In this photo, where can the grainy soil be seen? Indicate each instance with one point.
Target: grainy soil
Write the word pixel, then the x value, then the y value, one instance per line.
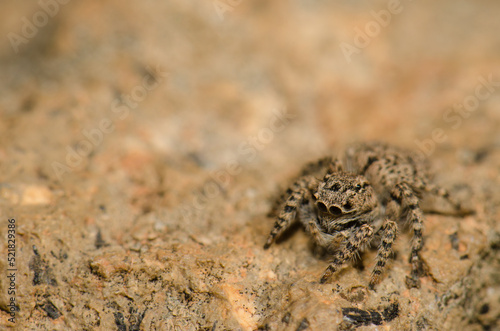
pixel 143 143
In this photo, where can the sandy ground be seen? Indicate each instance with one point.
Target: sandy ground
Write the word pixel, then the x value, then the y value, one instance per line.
pixel 142 145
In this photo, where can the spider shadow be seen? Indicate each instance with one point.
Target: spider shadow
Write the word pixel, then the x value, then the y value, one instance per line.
pixel 289 233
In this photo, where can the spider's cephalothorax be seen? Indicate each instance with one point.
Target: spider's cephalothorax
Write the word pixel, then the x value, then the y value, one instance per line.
pixel 344 200
pixel 341 209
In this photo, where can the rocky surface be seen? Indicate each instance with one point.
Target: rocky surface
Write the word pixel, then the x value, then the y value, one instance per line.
pixel 142 145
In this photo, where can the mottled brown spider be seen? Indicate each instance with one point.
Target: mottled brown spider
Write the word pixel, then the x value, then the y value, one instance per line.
pixel 345 206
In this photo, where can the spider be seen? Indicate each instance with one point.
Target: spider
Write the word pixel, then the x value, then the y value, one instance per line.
pixel 344 206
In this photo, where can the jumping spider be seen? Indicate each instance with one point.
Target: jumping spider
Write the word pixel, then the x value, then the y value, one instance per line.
pixel 345 206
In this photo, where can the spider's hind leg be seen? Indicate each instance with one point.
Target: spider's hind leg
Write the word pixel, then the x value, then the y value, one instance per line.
pixel 453 205
pixel 320 168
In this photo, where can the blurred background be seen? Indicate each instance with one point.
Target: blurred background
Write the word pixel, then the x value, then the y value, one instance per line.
pixel 158 132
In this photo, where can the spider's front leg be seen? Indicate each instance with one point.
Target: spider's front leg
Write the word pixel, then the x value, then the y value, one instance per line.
pixel 317 169
pixel 299 197
pixel 353 243
pixel 321 238
pixel 389 231
pixel 405 197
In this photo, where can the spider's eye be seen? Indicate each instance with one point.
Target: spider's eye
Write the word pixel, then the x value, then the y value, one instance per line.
pixel 336 187
pixel 322 207
pixel 357 187
pixel 335 211
pixel 347 206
